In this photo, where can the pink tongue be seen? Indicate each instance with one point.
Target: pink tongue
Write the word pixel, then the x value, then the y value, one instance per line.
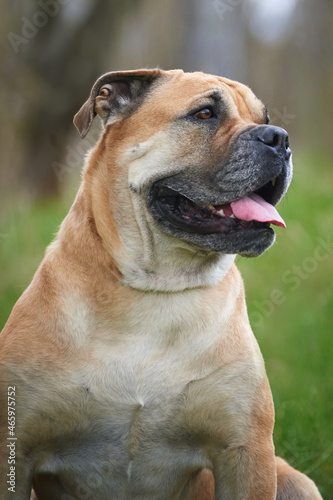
pixel 253 207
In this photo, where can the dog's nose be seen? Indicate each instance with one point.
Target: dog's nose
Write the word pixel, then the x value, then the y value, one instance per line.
pixel 274 137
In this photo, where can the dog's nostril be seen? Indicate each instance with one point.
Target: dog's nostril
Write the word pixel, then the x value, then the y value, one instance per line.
pixel 272 141
pixel 274 137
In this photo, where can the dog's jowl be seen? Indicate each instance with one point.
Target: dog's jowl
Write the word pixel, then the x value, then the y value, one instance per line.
pixel 130 358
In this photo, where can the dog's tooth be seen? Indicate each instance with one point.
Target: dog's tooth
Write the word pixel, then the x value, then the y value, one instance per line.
pixel 273 181
pixel 211 207
pixel 221 212
pixel 232 216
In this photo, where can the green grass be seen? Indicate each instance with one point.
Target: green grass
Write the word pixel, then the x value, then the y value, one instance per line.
pixel 294 333
pixel 23 239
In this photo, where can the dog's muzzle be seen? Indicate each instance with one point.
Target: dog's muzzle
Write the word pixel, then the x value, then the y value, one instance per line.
pixel 233 212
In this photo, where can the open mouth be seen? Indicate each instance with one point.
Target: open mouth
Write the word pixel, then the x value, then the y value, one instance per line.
pixel 254 211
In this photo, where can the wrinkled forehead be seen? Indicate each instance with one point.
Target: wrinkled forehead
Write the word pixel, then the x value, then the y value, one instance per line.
pixel 179 92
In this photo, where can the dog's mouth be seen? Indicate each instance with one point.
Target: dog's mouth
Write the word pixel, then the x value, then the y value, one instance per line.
pixel 254 211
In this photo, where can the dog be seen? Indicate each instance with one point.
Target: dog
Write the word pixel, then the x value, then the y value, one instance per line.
pixel 130 358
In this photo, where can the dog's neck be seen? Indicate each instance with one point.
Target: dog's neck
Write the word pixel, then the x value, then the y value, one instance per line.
pixel 146 262
pixel 164 264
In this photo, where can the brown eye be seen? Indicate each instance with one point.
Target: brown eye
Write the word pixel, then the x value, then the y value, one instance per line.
pixel 204 114
pixel 104 92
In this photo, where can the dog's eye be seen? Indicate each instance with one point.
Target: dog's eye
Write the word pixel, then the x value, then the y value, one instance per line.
pixel 204 114
pixel 104 91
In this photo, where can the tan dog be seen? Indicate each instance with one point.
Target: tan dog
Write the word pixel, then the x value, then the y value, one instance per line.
pixel 130 358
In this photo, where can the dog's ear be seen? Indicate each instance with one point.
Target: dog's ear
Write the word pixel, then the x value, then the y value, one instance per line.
pixel 114 94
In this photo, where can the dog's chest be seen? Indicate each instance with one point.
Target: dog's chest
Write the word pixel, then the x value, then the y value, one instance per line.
pixel 147 423
pixel 133 429
pixel 156 397
pixel 139 388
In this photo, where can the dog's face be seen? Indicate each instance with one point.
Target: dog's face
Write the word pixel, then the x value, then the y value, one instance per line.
pixel 192 157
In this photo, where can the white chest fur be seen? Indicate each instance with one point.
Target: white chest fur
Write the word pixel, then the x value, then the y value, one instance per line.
pixel 158 395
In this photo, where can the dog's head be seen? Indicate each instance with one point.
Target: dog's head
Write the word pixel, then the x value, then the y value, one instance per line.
pixel 194 156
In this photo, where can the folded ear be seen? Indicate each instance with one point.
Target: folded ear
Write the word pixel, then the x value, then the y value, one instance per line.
pixel 112 95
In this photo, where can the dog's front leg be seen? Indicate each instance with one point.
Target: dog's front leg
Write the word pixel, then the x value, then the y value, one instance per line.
pixel 293 485
pixel 245 474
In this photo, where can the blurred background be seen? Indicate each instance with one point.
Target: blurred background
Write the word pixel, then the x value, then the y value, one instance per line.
pixel 52 51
